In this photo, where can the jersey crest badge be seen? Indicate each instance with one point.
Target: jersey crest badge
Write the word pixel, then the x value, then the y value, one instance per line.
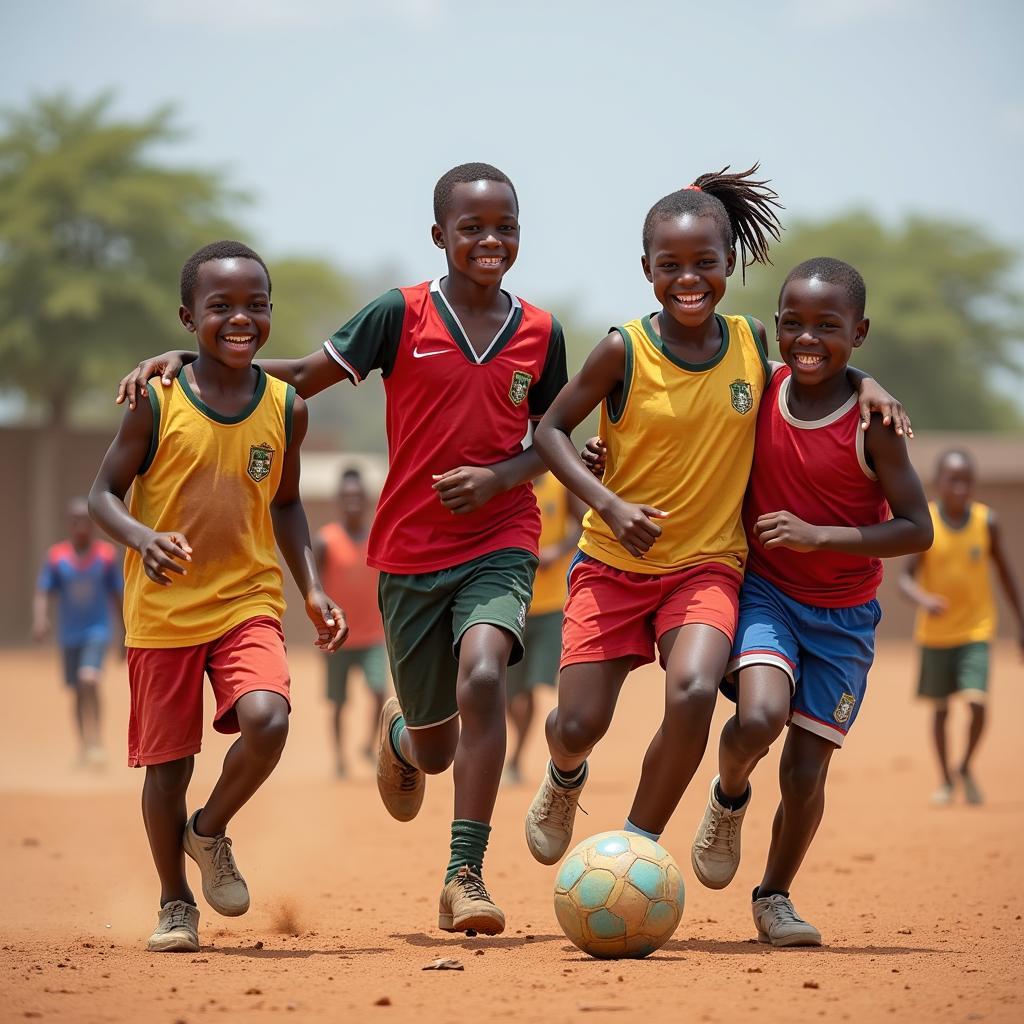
pixel 844 708
pixel 519 387
pixel 742 398
pixel 260 458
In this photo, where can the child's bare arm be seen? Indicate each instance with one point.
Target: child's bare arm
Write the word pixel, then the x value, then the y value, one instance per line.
pixel 291 530
pixel 909 530
pixel 161 553
pixel 1006 576
pixel 934 604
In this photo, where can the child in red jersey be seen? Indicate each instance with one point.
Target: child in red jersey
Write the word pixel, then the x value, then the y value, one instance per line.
pixel 467 366
pixel 818 520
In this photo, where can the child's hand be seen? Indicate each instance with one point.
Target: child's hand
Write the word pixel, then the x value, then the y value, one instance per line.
pixel 329 620
pixel 467 488
pixel 872 397
pixel 159 551
pixel 632 526
pixel 133 385
pixel 785 530
pixel 934 604
pixel 594 455
pixel 40 629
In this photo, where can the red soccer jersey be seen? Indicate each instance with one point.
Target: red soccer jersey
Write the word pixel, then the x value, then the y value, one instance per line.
pixel 448 407
pixel 818 471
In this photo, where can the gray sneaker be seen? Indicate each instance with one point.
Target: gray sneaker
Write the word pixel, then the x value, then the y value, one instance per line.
pixel 550 817
pixel 778 923
pixel 715 854
pixel 177 929
pixel 224 888
pixel 971 792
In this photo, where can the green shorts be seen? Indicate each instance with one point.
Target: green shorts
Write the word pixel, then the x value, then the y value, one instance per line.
pixel 543 643
pixel 426 614
pixel 371 660
pixel 949 670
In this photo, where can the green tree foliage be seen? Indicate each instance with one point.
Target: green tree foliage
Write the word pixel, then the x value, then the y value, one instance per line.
pixel 945 312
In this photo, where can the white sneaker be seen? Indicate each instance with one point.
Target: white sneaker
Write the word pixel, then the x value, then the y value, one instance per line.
pixel 550 818
pixel 778 923
pixel 943 796
pixel 715 854
pixel 177 929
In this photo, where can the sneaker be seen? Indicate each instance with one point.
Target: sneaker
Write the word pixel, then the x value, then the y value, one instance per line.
pixel 943 796
pixel 715 854
pixel 401 786
pixel 778 923
pixel 224 888
pixel 96 758
pixel 177 929
pixel 550 818
pixel 971 792
pixel 466 905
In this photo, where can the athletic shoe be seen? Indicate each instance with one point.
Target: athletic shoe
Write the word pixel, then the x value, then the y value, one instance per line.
pixel 778 923
pixel 177 929
pixel 224 888
pixel 971 792
pixel 943 796
pixel 466 905
pixel 401 786
pixel 550 818
pixel 715 854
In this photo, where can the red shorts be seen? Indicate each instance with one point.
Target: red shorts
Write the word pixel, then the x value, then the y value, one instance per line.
pixel 166 683
pixel 612 613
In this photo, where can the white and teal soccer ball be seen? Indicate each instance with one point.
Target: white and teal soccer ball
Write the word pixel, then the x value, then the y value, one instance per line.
pixel 619 895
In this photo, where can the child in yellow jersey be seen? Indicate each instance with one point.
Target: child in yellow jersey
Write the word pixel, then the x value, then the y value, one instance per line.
pixel 663 547
pixel 956 620
pixel 213 466
pixel 560 516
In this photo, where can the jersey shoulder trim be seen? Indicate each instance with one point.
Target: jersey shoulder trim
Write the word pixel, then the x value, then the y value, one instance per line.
pixel 200 406
pixel 289 405
pixel 154 437
pixel 616 410
pixel 762 350
pixel 654 338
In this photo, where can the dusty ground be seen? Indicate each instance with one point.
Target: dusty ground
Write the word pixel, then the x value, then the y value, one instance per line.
pixel 920 907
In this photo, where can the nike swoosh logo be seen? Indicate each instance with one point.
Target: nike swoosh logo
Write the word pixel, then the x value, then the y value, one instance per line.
pixel 417 354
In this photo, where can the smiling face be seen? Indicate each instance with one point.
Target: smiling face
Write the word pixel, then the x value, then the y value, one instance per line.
pixel 480 233
pixel 688 263
pixel 230 313
pixel 818 327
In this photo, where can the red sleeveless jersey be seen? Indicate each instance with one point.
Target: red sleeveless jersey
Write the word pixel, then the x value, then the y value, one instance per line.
pixel 818 471
pixel 448 406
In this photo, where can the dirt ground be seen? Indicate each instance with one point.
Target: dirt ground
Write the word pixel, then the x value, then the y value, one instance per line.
pixel 920 907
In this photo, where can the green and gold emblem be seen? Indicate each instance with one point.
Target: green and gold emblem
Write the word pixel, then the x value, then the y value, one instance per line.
pixel 844 708
pixel 520 387
pixel 742 398
pixel 260 458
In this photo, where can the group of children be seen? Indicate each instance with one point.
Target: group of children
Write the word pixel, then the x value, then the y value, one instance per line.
pixel 711 460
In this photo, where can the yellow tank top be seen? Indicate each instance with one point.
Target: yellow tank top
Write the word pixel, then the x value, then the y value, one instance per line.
pixel 958 568
pixel 549 588
pixel 682 440
pixel 212 478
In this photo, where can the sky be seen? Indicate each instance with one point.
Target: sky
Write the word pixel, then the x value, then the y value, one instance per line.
pixel 337 117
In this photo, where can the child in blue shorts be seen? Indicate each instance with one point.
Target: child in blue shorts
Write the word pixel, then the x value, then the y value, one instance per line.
pixel 826 501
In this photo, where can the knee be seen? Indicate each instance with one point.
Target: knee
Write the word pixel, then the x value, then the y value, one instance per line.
pixel 757 730
pixel 691 694
pixel 265 732
pixel 170 779
pixel 434 761
pixel 479 690
pixel 801 780
pixel 577 732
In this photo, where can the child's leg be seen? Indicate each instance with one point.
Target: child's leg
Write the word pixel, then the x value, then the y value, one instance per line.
pixel 974 733
pixel 337 666
pixel 939 720
pixel 375 675
pixel 695 657
pixel 520 711
pixel 164 813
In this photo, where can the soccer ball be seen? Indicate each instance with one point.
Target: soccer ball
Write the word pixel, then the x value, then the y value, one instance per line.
pixel 619 895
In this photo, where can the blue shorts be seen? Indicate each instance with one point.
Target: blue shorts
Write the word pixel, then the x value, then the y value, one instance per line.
pixel 87 655
pixel 826 652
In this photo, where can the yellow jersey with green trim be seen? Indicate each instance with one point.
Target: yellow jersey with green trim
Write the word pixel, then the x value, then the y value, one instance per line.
pixel 549 586
pixel 212 478
pixel 682 440
pixel 958 567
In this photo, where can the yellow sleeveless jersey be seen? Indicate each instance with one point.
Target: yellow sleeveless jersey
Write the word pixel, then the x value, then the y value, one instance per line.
pixel 210 477
pixel 958 568
pixel 549 586
pixel 682 440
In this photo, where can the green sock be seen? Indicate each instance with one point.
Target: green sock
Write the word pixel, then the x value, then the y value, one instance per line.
pixel 469 841
pixel 397 727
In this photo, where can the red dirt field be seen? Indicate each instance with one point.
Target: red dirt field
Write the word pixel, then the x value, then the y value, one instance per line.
pixel 920 907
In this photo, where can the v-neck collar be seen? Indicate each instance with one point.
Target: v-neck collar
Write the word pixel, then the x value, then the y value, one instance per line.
pixel 458 332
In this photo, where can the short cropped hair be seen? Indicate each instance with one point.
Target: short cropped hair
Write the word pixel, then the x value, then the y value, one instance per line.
pixel 466 174
pixel 832 271
pixel 226 249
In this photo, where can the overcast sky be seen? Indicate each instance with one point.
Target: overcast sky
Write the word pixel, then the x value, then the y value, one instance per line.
pixel 339 116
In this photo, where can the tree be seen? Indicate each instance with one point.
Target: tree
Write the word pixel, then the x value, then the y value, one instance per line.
pixel 945 312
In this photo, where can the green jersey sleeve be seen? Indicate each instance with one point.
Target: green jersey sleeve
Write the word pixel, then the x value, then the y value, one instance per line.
pixel 553 377
pixel 369 341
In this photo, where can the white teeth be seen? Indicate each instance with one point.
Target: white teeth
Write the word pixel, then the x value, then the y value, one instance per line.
pixel 809 360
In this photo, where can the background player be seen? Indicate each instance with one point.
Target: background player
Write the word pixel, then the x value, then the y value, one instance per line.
pixel 341 558
pixel 956 621
pixel 561 513
pixel 84 576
